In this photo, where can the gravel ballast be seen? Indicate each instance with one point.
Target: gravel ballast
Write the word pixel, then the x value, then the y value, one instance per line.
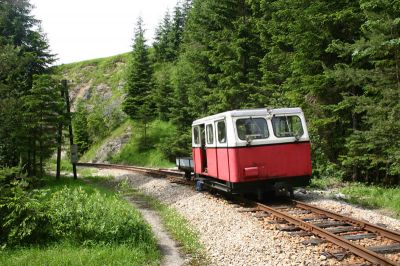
pixel 234 237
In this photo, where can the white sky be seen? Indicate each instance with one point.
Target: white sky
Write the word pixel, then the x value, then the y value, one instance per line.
pixel 85 29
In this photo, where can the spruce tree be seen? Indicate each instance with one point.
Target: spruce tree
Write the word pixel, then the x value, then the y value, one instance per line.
pixel 42 111
pixel 24 53
pixel 162 42
pixel 373 147
pixel 139 76
pixel 138 103
pixel 80 126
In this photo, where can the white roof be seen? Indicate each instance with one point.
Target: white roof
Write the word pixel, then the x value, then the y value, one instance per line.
pixel 248 112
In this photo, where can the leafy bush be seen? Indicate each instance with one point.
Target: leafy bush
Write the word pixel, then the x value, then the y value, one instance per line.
pixel 33 216
pixel 23 216
pixel 93 218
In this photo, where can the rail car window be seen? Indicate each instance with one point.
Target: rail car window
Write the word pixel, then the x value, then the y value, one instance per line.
pixel 254 128
pixel 287 126
pixel 221 132
pixel 196 135
pixel 210 134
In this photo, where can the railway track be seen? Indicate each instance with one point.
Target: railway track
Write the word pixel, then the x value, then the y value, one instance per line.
pixel 375 244
pixel 147 170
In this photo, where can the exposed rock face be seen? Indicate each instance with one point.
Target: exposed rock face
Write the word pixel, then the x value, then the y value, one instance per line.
pixel 112 146
pixel 80 91
pixel 103 91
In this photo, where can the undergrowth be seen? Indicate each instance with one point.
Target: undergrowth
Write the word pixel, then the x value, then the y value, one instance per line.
pixel 147 150
pixel 326 183
pixel 66 221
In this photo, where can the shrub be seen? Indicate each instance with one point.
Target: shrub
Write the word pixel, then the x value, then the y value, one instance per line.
pixel 23 216
pixel 94 218
pixel 69 214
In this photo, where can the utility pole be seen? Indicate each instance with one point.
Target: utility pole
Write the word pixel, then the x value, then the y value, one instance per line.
pixel 71 136
pixel 59 140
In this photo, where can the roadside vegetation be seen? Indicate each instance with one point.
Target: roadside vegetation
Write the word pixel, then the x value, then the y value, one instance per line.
pixel 373 196
pixel 57 222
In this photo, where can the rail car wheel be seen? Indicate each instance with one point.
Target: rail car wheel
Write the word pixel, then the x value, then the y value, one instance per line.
pixel 188 175
pixel 291 193
pixel 260 194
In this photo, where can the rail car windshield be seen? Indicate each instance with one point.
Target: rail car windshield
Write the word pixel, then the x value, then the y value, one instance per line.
pixel 256 128
pixel 287 126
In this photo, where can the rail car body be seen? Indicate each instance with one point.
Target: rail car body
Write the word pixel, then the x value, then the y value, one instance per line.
pixel 253 150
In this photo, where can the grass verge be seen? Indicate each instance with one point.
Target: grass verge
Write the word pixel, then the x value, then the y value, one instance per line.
pixel 369 196
pixel 373 196
pixel 70 254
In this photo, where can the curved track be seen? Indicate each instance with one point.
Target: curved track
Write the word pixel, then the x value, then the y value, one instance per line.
pixel 358 237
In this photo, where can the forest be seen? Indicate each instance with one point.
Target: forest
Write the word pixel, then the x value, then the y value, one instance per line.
pixel 337 60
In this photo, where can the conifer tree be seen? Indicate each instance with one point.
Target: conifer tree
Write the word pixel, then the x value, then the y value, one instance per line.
pixel 139 76
pixel 24 53
pixel 162 42
pixel 80 126
pixel 42 111
pixel 373 147
pixel 138 103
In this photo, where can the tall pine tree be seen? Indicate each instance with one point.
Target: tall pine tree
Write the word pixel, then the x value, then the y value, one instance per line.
pixel 138 103
pixel 24 53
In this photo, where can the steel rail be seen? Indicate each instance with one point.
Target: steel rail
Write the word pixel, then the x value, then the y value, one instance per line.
pixel 346 244
pixel 133 168
pixel 365 225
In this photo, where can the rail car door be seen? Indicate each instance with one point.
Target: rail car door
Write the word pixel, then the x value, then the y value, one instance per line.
pixel 203 149
pixel 211 150
pixel 222 150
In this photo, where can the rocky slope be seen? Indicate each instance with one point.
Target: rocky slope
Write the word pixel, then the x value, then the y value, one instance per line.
pixel 99 85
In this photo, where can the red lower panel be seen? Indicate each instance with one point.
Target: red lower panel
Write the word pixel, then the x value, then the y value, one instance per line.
pixel 256 162
pixel 223 164
pixel 273 161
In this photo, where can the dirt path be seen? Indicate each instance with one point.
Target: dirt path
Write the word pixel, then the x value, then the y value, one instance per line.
pixel 167 246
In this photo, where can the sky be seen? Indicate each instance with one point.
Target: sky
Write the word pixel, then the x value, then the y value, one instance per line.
pixel 79 30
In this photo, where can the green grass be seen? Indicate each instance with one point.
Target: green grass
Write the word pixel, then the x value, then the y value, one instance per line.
pixel 109 70
pixel 326 183
pixel 373 196
pixel 134 152
pixel 65 165
pixel 67 254
pixel 369 196
pixel 176 225
pixel 89 225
